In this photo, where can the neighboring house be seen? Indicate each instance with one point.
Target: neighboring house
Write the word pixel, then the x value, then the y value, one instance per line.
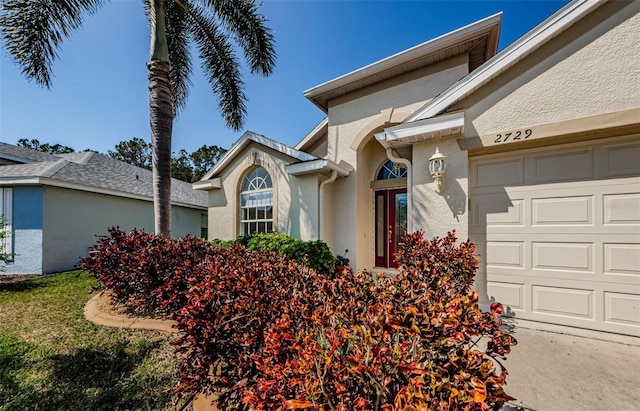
pixel 55 205
pixel 542 151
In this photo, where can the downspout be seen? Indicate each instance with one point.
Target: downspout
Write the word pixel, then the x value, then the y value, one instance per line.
pixel 334 175
pixel 407 164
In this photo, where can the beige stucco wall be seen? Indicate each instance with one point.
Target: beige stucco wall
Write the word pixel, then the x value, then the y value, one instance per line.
pixel 353 119
pixel 437 214
pixel 296 198
pixel 72 219
pixel 593 68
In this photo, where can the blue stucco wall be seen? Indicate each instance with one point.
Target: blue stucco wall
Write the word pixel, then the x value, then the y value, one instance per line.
pixel 27 212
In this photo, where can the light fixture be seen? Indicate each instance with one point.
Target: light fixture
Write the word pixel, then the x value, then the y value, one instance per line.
pixel 437 166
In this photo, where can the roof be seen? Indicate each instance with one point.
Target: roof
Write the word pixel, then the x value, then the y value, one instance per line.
pixel 479 39
pixel 302 163
pixel 90 171
pixel 249 137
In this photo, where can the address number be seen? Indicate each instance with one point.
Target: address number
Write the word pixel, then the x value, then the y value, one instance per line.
pixel 513 136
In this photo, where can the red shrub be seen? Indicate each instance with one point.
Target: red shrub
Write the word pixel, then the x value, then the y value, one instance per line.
pixel 145 271
pixel 268 334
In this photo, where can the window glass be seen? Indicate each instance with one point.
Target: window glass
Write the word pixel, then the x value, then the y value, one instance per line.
pixel 391 170
pixel 256 202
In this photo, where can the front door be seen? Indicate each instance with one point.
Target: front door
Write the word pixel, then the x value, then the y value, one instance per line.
pixel 391 223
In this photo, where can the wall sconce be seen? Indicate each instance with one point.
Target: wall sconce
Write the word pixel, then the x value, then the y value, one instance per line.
pixel 437 166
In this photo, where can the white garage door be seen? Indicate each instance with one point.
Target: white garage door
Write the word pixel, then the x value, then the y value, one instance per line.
pixel 558 230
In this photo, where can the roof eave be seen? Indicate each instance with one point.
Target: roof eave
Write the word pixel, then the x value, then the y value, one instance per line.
pixel 421 130
pixel 318 166
pixel 491 23
pixel 512 54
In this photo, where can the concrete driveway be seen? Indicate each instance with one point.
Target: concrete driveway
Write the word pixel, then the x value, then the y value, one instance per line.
pixel 561 368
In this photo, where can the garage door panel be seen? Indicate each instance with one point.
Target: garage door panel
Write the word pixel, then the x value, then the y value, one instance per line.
pixel 562 256
pixel 553 166
pixel 621 160
pixel 497 210
pixel 566 302
pixel 562 211
pixel 621 209
pixel 512 295
pixel 622 308
pixel 499 173
pixel 622 259
pixel 505 253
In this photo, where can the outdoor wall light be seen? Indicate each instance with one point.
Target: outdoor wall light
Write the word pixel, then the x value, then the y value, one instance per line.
pixel 437 166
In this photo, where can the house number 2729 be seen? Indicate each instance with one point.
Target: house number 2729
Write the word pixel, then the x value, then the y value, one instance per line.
pixel 513 136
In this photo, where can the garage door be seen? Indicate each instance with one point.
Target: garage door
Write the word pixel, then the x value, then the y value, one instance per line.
pixel 558 230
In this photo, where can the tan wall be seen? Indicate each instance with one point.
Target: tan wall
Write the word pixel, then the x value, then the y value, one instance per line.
pixel 593 68
pixel 296 205
pixel 353 119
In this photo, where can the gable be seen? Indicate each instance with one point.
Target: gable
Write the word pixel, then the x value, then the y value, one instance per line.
pixel 591 69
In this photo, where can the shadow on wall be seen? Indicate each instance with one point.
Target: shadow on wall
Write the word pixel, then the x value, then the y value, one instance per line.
pixel 456 198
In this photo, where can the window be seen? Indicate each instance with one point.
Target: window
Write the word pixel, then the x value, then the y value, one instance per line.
pixel 256 202
pixel 6 202
pixel 390 170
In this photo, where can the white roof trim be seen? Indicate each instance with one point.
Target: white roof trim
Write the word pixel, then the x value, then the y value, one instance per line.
pixel 440 42
pixel 249 137
pixel 516 51
pixel 15 181
pixel 317 166
pixel 312 134
pixel 208 184
pixel 420 130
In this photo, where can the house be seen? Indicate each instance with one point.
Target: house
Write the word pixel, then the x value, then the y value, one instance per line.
pixel 55 205
pixel 532 152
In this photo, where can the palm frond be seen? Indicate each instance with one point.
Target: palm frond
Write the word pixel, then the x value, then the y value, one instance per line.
pixel 178 39
pixel 33 30
pixel 249 28
pixel 220 66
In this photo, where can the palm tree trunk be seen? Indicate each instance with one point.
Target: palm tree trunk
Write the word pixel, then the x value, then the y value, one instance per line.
pixel 161 120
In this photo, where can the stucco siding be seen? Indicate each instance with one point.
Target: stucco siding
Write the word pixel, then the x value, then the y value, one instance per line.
pixel 353 119
pixel 296 198
pixel 27 231
pixel 591 69
pixel 436 214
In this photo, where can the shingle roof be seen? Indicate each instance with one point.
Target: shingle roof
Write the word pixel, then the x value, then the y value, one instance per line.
pixel 92 172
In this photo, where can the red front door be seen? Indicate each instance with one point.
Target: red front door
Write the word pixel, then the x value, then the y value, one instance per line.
pixel 391 223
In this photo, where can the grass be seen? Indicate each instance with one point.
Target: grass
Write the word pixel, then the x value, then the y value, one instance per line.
pixel 52 358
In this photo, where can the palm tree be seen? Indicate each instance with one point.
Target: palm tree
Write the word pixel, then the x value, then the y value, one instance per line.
pixel 33 30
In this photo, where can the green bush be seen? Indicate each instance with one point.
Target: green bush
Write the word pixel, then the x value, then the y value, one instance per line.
pixel 313 254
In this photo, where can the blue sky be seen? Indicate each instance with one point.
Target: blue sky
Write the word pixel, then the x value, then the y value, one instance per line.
pixel 100 97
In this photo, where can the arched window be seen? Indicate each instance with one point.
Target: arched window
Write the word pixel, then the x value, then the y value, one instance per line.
pixel 256 202
pixel 391 170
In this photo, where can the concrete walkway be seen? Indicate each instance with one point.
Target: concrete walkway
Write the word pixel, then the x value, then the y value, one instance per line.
pixel 552 367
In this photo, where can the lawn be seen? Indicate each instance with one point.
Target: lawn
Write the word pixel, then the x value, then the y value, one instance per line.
pixel 52 358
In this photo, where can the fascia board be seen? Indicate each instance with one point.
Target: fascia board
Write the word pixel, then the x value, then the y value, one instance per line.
pixel 316 166
pixel 312 134
pixel 430 126
pixel 207 185
pixel 247 138
pixel 516 51
pixel 430 46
